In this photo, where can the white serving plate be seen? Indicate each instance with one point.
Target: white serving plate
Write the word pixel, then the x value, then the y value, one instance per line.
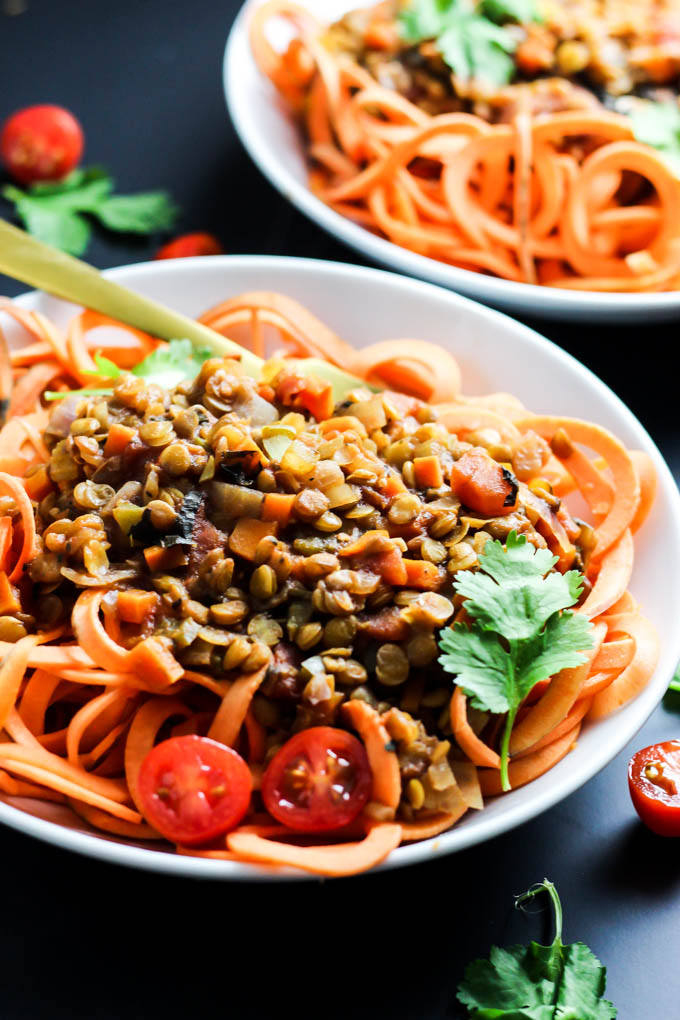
pixel 274 143
pixel 495 353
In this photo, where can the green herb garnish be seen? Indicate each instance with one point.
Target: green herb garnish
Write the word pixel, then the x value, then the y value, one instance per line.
pixel 658 125
pixel 520 632
pixel 166 366
pixel 57 212
pixel 470 36
pixel 535 982
pixel 674 685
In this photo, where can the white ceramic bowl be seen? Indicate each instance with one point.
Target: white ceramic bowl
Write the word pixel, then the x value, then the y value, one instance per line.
pixel 495 353
pixel 273 141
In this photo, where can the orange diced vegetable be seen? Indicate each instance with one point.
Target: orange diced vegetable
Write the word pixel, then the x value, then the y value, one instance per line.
pixel 484 485
pixel 159 558
pixel 38 485
pixel 118 439
pixel 393 485
pixel 277 506
pixel 422 574
pixel 247 534
pixel 428 472
pixel 135 606
pixel 153 663
pixel 9 597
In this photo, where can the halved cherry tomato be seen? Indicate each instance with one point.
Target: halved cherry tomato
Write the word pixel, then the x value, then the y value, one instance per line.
pixel 484 485
pixel 41 143
pixel 187 245
pixel 319 780
pixel 194 789
pixel 654 783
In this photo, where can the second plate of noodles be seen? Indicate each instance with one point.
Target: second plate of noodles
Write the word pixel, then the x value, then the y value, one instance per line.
pixel 249 561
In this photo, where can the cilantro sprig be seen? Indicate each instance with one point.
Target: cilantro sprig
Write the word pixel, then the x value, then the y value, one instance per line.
pixel 471 36
pixel 60 213
pixel 538 982
pixel 166 366
pixel 521 629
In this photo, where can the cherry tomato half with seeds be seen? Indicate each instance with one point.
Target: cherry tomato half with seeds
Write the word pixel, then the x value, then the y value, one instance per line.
pixel 318 781
pixel 654 784
pixel 188 245
pixel 194 789
pixel 41 143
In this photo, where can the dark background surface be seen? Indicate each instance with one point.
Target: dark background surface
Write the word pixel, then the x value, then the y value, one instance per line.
pixel 80 939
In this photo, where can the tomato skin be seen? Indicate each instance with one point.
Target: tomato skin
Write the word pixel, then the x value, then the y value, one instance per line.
pixel 657 802
pixel 41 143
pixel 205 786
pixel 188 245
pixel 484 485
pixel 318 781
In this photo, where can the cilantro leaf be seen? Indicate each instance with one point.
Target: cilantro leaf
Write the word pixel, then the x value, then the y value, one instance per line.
pixel 68 231
pixel 480 663
pixel 138 214
pixel 53 211
pixel 658 125
pixel 535 982
pixel 167 366
pixel 425 19
pixel 470 37
pixel 520 632
pixel 474 47
pixel 500 11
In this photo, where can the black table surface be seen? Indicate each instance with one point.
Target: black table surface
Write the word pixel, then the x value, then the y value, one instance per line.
pixel 83 939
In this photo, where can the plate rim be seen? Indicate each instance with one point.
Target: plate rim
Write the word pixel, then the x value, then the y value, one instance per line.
pixel 167 862
pixel 530 299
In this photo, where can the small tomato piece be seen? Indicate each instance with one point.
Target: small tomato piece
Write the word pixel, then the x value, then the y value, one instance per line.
pixel 188 245
pixel 654 784
pixel 318 781
pixel 194 789
pixel 309 392
pixel 484 485
pixel 41 143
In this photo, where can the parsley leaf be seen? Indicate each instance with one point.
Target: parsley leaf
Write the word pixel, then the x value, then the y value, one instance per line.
pixel 54 211
pixel 521 630
pixel 658 125
pixel 167 366
pixel 535 982
pixel 468 35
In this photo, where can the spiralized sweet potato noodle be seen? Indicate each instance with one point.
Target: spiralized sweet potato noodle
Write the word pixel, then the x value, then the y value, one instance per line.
pixel 117 712
pixel 518 200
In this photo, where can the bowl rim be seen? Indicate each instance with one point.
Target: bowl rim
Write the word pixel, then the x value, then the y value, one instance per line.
pixel 532 299
pixel 168 862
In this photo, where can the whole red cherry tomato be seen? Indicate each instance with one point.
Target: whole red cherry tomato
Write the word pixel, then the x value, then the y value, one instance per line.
pixel 194 789
pixel 41 143
pixel 190 244
pixel 319 780
pixel 654 783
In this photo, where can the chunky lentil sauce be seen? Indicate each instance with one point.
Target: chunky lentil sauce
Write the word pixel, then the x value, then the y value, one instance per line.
pixel 324 598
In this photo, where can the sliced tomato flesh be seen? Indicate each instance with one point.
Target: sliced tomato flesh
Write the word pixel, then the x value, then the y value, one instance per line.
pixel 654 784
pixel 318 781
pixel 194 789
